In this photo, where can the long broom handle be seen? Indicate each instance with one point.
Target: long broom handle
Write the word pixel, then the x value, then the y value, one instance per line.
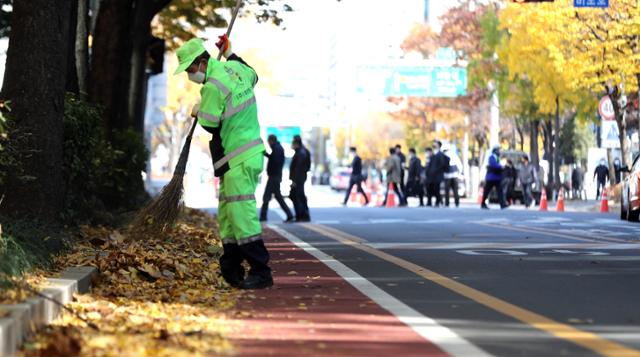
pixel 182 164
pixel 236 10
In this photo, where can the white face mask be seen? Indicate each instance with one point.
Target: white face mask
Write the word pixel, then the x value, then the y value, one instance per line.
pixel 197 77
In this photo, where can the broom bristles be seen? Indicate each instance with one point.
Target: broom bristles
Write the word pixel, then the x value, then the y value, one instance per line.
pixel 163 211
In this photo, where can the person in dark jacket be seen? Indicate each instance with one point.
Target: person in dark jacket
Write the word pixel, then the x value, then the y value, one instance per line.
pixel 602 174
pixel 438 165
pixel 527 176
pixel 300 165
pixel 414 184
pixel 403 165
pixel 274 173
pixel 493 179
pixel 356 177
pixel 577 179
pixel 509 177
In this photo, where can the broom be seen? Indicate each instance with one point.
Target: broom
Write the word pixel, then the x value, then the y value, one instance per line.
pixel 163 211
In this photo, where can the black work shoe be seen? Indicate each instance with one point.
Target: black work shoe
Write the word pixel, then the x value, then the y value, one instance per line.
pixel 484 206
pixel 290 220
pixel 256 282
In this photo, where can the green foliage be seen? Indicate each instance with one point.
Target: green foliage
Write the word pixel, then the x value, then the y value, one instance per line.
pixel 575 139
pixel 26 245
pixel 184 19
pixel 101 175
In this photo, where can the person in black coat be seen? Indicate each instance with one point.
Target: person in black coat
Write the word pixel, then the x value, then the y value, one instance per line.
pixel 300 165
pixel 356 177
pixel 403 164
pixel 274 173
pixel 602 174
pixel 414 184
pixel 438 165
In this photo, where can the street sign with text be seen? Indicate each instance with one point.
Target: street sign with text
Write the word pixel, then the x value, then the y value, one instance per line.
pixel 591 3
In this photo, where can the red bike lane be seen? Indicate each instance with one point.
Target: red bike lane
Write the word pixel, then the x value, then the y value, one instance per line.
pixel 312 311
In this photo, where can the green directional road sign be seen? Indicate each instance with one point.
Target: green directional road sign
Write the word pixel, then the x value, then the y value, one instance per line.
pixel 284 134
pixel 423 81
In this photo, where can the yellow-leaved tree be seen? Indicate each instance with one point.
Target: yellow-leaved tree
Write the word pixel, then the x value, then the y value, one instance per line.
pixel 573 56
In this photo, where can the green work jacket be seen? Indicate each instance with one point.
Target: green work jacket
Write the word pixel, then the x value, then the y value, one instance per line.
pixel 229 111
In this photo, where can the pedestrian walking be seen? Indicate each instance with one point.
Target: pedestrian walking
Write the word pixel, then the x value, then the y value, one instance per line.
pixel 356 177
pixel 393 166
pixel 451 177
pixel 403 166
pixel 237 151
pixel 438 165
pixel 508 183
pixel 300 165
pixel 577 181
pixel 527 176
pixel 274 174
pixel 493 179
pixel 414 182
pixel 602 175
pixel 617 169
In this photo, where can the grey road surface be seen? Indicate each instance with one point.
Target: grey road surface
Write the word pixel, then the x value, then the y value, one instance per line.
pixel 532 274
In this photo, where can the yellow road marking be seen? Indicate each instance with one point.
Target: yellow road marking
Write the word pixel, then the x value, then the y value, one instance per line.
pixel 585 339
pixel 557 234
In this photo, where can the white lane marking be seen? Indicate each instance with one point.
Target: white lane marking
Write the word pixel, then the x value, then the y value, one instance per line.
pixel 515 246
pixel 572 252
pixel 490 252
pixel 387 220
pixel 327 222
pixel 424 326
pixel 544 220
pixel 431 221
pixel 492 221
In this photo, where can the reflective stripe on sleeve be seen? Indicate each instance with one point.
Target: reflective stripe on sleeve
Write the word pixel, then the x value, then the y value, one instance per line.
pixel 218 164
pixel 231 111
pixel 209 117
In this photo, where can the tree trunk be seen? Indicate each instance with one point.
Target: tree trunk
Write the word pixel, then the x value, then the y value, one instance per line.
pixel 72 74
pixel 35 81
pixel 556 147
pixel 110 62
pixel 533 146
pixel 82 47
pixel 621 120
pixel 548 149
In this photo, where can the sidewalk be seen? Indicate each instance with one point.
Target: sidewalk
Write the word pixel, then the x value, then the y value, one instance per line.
pixel 312 311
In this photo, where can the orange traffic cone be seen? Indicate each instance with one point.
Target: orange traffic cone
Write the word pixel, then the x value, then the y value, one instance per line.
pixel 391 202
pixel 543 201
pixel 379 196
pixel 604 205
pixel 560 204
pixel 480 194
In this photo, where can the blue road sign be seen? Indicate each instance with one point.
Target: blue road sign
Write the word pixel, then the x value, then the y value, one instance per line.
pixel 591 3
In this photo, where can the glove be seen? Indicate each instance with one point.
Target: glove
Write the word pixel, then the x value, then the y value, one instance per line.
pixel 224 45
pixel 195 110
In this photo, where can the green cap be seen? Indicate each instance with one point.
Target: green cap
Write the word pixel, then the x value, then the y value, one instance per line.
pixel 188 53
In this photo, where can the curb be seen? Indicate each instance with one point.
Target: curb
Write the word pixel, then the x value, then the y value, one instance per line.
pixel 26 317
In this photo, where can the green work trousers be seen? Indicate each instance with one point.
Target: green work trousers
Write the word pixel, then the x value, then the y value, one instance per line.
pixel 237 214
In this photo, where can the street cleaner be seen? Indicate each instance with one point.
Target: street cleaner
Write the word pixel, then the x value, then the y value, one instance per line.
pixel 228 111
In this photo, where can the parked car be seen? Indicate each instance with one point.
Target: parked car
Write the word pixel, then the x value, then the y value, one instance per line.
pixel 340 178
pixel 630 198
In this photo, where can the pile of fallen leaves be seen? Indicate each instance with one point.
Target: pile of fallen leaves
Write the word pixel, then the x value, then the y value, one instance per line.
pixel 158 294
